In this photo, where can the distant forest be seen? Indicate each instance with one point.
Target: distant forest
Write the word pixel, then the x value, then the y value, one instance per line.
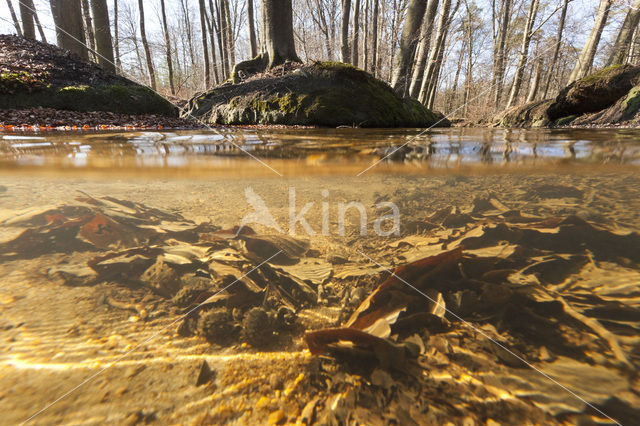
pixel 467 58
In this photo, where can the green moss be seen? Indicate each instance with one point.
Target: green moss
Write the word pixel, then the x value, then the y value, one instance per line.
pixel 590 79
pixel 564 121
pixel 631 103
pixel 14 83
pixel 114 98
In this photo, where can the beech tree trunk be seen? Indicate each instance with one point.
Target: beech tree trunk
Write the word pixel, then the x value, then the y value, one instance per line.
pixel 625 35
pixel 585 61
pixel 500 60
pixel 26 14
pixel 102 31
pixel 556 49
pixel 252 30
pixel 37 21
pixel 116 36
pixel 145 46
pixel 231 49
pixel 88 28
pixel 427 82
pixel 524 53
pixel 212 40
pixel 344 31
pixel 278 31
pixel 423 48
pixel 205 47
pixel 408 41
pixel 14 18
pixel 374 37
pixel 356 33
pixel 167 42
pixel 67 15
pixel 535 83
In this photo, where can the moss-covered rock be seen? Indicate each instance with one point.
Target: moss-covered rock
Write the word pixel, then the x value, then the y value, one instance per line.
pixel 323 93
pixel 595 92
pixel 36 74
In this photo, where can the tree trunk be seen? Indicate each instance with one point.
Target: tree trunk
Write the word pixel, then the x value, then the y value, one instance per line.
pixel 535 84
pixel 231 48
pixel 145 45
pixel 187 27
pixel 433 55
pixel 556 49
pixel 26 14
pixel 356 33
pixel 278 31
pixel 67 15
pixel 212 40
pixel 14 18
pixel 423 48
pixel 116 36
pixel 585 61
pixel 37 21
pixel 344 31
pixel 440 48
pixel 167 41
pixel 524 53
pixel 374 37
pixel 205 47
pixel 365 41
pixel 500 60
pixel 102 31
pixel 88 27
pixel 252 31
pixel 221 40
pixel 623 41
pixel 408 42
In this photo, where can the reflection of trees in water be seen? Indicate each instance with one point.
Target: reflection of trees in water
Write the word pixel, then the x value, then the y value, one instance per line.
pixel 437 147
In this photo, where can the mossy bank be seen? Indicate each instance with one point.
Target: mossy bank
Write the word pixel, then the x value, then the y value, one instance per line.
pixel 35 74
pixel 609 97
pixel 322 93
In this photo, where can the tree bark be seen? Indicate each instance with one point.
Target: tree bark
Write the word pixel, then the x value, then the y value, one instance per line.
pixel 102 31
pixel 37 21
pixel 344 31
pixel 556 49
pixel 406 52
pixel 427 82
pixel 278 32
pixel 212 40
pixel 187 27
pixel 585 61
pixel 440 48
pixel 167 42
pixel 356 33
pixel 252 31
pixel 231 49
pixel 116 35
pixel 205 47
pixel 524 52
pixel 88 27
pixel 423 48
pixel 625 35
pixel 218 24
pixel 500 60
pixel 145 46
pixel 374 37
pixel 365 41
pixel 67 15
pixel 26 14
pixel 14 18
pixel 535 84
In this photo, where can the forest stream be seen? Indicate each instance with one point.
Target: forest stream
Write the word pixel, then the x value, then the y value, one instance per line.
pixel 254 276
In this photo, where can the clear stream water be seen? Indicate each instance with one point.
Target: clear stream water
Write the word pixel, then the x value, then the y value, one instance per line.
pixel 67 199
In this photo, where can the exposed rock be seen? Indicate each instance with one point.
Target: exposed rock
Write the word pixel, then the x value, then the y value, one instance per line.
pixel 35 74
pixel 321 93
